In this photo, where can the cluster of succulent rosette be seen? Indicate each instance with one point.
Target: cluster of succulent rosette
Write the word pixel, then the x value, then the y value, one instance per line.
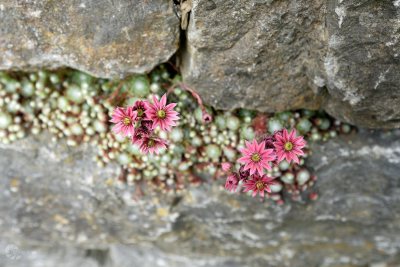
pixel 257 156
pixel 140 120
pixel 76 109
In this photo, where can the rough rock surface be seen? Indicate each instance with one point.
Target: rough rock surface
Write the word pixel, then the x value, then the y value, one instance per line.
pixel 269 55
pixel 276 55
pixel 254 53
pixel 56 207
pixel 362 63
pixel 108 38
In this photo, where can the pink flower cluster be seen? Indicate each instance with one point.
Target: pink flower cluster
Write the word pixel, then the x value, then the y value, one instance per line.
pixel 140 120
pixel 256 157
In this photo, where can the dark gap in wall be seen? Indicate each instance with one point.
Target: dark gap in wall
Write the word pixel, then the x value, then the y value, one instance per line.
pixel 175 61
pixel 99 255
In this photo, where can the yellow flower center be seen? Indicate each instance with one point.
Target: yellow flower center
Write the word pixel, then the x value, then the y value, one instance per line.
pixel 127 121
pixel 151 143
pixel 140 112
pixel 288 146
pixel 161 114
pixel 256 157
pixel 260 185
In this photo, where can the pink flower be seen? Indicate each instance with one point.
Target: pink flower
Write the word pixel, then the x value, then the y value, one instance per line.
pixel 207 118
pixel 162 114
pixel 243 174
pixel 226 166
pixel 231 183
pixel 259 184
pixel 144 130
pixel 152 145
pixel 124 120
pixel 269 141
pixel 288 146
pixel 138 136
pixel 256 157
pixel 147 124
pixel 141 107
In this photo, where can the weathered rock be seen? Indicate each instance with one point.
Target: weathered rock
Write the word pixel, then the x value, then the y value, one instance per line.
pixel 277 55
pixel 107 38
pixel 362 62
pixel 253 53
pixel 54 198
pixel 264 54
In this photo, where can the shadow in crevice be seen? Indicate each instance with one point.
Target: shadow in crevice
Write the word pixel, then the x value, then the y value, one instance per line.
pixel 99 255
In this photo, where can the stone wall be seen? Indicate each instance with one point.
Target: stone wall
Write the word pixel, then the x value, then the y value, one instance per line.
pixel 268 55
pixel 57 208
pixel 277 55
pixel 107 38
pixel 56 205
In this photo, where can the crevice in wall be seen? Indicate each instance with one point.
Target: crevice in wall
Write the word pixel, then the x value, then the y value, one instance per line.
pixel 99 255
pixel 182 10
